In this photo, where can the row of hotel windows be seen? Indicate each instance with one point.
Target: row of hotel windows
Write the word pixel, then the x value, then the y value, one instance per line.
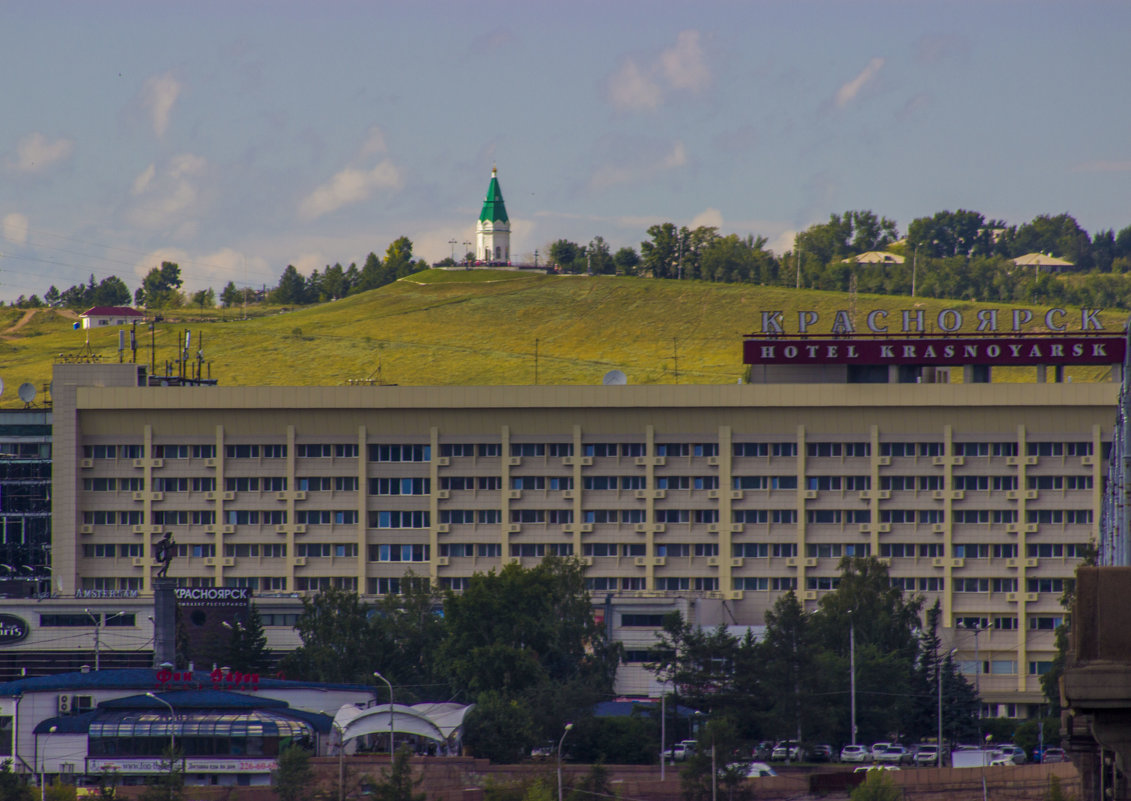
pixel 422 519
pixel 422 453
pixel 423 486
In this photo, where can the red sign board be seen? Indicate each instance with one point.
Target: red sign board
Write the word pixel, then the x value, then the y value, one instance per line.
pixel 936 350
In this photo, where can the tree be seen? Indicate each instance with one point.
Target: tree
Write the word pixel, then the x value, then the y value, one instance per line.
pixel 230 295
pixel 600 262
pixel 396 783
pixel 111 291
pixel 12 786
pixel 161 286
pixel 499 728
pixel 338 642
pixel 398 259
pixel 626 261
pixel 51 296
pixel 333 283
pixel 414 627
pixel 291 290
pixel 569 256
pixel 659 257
pixel 789 659
pixel 877 786
pixel 169 783
pixel 698 662
pixel 247 649
pixel 204 298
pixel 293 777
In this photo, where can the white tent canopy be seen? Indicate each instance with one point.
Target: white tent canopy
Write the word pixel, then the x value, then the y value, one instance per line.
pixel 441 722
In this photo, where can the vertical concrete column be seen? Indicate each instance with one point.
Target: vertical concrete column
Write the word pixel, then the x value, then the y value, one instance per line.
pixel 948 521
pixel 362 510
pixel 578 463
pixel 801 519
pixel 147 509
pixel 726 562
pixel 505 503
pixel 164 621
pixel 434 508
pixel 291 524
pixel 650 507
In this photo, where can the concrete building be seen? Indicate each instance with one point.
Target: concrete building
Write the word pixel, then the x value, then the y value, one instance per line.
pixel 709 500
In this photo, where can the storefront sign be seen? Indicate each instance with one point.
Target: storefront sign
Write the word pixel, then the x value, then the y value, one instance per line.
pixel 211 596
pixel 220 679
pixel 96 594
pixel 936 350
pixel 12 629
pixel 915 321
pixel 191 765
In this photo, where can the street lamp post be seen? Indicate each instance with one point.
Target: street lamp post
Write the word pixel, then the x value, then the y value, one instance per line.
pixel 43 766
pixel 568 726
pixel 341 761
pixel 852 671
pixel 938 668
pixel 392 714
pixel 172 724
pixel 663 729
pixel 98 622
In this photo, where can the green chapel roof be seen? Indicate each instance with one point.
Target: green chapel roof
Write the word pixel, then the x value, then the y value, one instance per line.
pixel 494 210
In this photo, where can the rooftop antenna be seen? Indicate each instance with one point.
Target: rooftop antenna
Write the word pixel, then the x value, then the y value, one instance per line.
pixel 121 345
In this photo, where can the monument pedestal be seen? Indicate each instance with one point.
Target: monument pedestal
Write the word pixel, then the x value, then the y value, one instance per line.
pixel 164 622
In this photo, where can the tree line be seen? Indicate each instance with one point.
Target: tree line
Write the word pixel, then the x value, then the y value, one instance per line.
pixel 524 645
pixel 951 254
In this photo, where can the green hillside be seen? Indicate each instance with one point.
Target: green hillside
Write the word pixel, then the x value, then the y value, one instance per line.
pixel 477 327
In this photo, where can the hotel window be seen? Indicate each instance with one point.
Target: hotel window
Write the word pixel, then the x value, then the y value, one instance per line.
pixel 972 551
pixel 634 549
pixel 398 486
pixel 632 516
pixel 489 449
pixel 559 450
pixel 750 482
pixel 241 484
pixel 599 482
pixel 822 582
pixel 784 549
pixel 171 451
pixel 457 450
pixel 1078 449
pixel 600 449
pixel 100 452
pixel 857 483
pixel 752 583
pixel 673 515
pixel 1005 551
pixel 673 583
pixel 822 483
pixel 750 516
pixel 528 449
pixel 783 515
pixel 599 549
pixel 203 451
pixel 489 549
pixel 897 550
pixel 1046 482
pixel 1004 585
pixel 933 584
pixel 633 482
pixel 241 451
pixel 1045 585
pixel 399 519
pixel 1044 448
pixel 398 553
pixel 1005 623
pixel 1045 622
pixel 1078 482
pixel 783 482
pixel 784 584
pixel 673 449
pixel 783 449
pixel 823 449
pixel 931 550
pixel 930 483
pixel 750 550
pixel 1004 448
pixel 750 449
pixel 400 453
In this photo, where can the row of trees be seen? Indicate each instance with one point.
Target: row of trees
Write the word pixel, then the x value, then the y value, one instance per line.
pixel 523 644
pixel 795 682
pixel 953 254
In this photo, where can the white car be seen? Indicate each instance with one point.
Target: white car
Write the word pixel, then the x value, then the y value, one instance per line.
pixel 879 748
pixel 759 769
pixel 855 753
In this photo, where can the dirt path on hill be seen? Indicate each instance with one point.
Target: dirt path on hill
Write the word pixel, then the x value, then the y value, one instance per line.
pixel 24 320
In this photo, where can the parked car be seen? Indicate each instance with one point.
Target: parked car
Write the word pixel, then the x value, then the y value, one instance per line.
pixel 894 755
pixel 1015 753
pixel 925 754
pixel 855 753
pixel 788 749
pixel 762 751
pixel 866 768
pixel 821 753
pixel 1054 755
pixel 681 750
pixel 759 769
pixel 877 749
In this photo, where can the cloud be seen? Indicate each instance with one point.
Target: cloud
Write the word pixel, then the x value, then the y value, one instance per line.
pixel 848 92
pixel 1103 166
pixel 347 187
pixel 709 218
pixel 631 90
pixel 168 198
pixel 35 152
pixel 636 86
pixel 683 63
pixel 14 228
pixel 158 96
pixel 636 163
pixel 374 143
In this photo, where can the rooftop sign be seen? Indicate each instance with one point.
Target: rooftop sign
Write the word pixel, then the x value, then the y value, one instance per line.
pixel 936 350
pixel 947 321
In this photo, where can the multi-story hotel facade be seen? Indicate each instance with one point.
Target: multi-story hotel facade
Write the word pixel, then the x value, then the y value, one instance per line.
pixel 710 500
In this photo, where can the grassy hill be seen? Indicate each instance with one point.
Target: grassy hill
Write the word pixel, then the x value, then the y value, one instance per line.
pixel 477 327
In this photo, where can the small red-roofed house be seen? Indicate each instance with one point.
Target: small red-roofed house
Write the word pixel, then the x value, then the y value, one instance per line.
pixel 100 316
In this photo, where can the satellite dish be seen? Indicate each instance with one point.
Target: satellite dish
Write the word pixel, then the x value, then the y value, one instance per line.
pixel 614 378
pixel 26 392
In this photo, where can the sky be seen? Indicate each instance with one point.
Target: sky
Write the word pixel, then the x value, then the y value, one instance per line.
pixel 236 138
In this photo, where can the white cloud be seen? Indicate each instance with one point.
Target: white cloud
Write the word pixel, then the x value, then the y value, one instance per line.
pixel 709 218
pixel 209 270
pixel 169 197
pixel 848 92
pixel 374 143
pixel 35 152
pixel 683 63
pixel 347 187
pixel 144 179
pixel 158 96
pixel 15 228
pixel 643 86
pixel 631 90
pixel 623 171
